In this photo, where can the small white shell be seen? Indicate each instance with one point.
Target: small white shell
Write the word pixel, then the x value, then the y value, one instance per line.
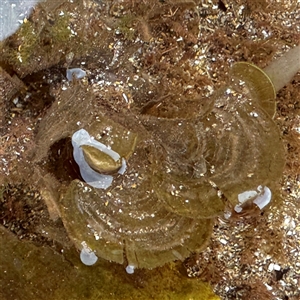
pixel 243 197
pixel 261 198
pixel 238 208
pixel 264 198
pixel 130 269
pixel 76 72
pixel 87 256
pixel 93 178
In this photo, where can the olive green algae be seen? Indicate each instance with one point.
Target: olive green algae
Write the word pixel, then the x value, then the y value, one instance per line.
pixel 31 272
pixel 41 265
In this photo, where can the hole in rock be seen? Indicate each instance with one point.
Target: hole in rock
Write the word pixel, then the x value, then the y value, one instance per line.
pixel 61 162
pixel 38 96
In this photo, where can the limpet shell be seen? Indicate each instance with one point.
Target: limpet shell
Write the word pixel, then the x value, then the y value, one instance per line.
pixel 100 161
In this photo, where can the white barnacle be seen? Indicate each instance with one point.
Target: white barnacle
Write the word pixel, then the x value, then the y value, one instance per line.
pixel 89 175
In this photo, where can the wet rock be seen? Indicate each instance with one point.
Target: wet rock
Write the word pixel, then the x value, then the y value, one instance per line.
pixel 182 171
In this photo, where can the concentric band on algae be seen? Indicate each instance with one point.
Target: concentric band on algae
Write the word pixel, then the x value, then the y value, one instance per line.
pixel 184 169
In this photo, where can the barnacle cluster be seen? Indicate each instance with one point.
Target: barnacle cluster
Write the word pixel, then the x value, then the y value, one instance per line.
pixel 183 169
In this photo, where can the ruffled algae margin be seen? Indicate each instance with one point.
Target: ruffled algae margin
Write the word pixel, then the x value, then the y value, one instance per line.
pixel 31 272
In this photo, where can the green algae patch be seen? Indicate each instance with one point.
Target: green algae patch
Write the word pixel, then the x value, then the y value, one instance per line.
pixel 26 40
pixel 60 31
pixel 31 272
